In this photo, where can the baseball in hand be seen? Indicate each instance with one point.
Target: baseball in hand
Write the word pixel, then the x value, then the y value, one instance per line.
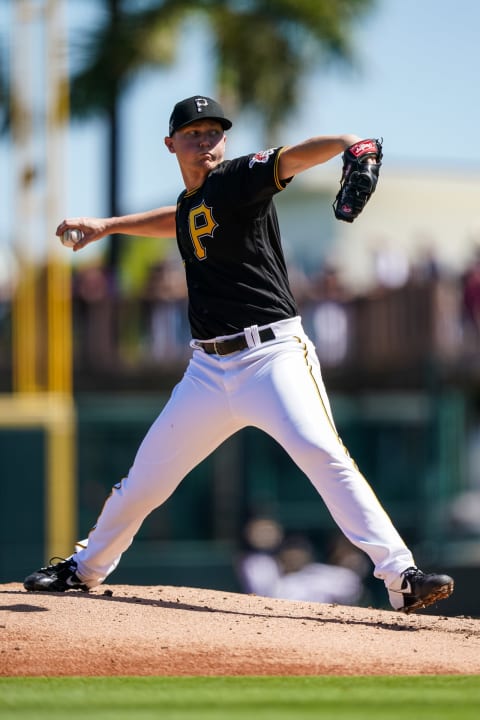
pixel 71 237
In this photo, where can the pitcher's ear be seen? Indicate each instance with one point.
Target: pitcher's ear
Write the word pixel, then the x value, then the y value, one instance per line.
pixel 169 144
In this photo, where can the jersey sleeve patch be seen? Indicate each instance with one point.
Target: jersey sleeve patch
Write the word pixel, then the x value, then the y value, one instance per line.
pixel 260 157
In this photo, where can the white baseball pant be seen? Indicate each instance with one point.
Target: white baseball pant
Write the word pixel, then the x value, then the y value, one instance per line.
pixel 277 387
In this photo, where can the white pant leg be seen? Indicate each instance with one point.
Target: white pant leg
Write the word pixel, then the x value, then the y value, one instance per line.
pixel 286 398
pixel 194 422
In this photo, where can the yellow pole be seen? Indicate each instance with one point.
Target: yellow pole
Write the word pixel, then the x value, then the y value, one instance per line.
pixel 61 480
pixel 61 487
pixel 59 353
pixel 25 306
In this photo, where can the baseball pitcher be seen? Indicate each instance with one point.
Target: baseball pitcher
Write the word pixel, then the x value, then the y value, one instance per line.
pixel 252 363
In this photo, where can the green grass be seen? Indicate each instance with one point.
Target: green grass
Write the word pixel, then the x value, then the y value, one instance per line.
pixel 231 698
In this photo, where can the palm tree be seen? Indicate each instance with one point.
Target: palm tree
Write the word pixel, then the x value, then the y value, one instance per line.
pixel 262 49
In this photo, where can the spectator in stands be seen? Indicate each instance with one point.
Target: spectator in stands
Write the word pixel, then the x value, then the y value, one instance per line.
pixel 165 300
pixel 285 567
pixel 471 302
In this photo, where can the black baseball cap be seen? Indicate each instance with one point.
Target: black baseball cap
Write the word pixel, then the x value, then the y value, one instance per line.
pixel 197 107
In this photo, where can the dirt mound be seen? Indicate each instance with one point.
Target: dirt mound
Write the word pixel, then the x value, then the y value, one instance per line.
pixel 126 630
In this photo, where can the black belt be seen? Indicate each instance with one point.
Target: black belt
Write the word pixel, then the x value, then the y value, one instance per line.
pixel 225 347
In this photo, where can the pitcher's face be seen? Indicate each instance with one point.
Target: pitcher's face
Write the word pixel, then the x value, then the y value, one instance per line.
pixel 199 145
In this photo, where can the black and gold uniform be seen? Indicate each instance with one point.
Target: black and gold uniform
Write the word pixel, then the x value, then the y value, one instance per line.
pixel 229 239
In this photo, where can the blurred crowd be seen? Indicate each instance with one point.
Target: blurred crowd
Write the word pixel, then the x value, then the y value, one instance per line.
pixel 410 307
pixel 408 311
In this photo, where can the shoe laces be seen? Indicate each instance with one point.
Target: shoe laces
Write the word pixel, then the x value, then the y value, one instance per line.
pixel 55 561
pixel 410 576
pixel 412 572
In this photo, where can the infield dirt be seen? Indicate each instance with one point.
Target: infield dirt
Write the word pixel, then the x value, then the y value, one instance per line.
pixel 144 630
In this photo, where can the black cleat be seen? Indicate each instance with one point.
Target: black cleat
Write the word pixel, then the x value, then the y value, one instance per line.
pixel 55 578
pixel 418 590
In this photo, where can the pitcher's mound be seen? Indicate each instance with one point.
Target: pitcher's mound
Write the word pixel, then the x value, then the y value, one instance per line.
pixel 127 630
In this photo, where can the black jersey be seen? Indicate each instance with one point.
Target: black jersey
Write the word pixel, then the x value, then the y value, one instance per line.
pixel 229 238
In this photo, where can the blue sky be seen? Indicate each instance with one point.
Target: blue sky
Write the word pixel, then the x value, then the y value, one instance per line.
pixel 415 84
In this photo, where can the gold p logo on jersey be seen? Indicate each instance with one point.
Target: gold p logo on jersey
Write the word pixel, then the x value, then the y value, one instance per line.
pixel 201 224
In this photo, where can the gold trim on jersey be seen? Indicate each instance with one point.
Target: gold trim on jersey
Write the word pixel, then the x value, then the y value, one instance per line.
pixel 281 184
pixel 189 193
